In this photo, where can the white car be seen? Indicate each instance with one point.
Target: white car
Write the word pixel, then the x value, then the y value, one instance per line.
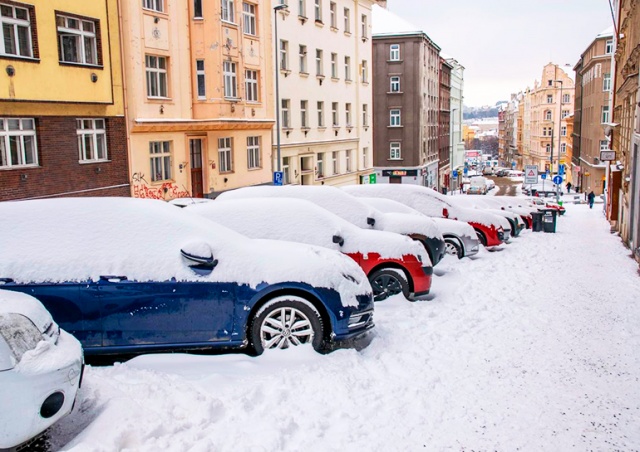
pixel 40 369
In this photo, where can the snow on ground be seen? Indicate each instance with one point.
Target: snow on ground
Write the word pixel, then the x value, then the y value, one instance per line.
pixel 534 347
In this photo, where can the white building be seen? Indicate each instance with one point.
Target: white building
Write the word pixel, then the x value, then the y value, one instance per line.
pixel 457 100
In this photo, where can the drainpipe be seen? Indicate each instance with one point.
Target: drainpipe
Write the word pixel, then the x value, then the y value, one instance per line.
pixel 124 93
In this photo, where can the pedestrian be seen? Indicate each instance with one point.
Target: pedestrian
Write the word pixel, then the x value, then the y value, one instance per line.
pixel 568 187
pixel 591 197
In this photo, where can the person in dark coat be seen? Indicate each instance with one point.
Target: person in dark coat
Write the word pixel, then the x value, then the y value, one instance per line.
pixel 568 187
pixel 591 197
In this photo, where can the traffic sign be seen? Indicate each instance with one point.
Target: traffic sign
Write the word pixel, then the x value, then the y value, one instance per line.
pixel 465 171
pixel 455 174
pixel 543 176
pixel 561 170
pixel 530 174
pixel 557 180
pixel 277 177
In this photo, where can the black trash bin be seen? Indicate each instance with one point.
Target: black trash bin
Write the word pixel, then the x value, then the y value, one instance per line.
pixel 549 220
pixel 536 225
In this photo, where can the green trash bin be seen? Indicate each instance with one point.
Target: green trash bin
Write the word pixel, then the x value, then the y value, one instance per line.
pixel 536 224
pixel 549 220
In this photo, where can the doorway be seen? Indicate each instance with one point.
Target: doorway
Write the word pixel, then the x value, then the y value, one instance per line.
pixel 197 182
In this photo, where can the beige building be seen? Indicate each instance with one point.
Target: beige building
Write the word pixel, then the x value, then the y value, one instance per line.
pixel 197 92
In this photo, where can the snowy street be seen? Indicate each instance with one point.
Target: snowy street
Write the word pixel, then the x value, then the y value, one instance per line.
pixel 533 347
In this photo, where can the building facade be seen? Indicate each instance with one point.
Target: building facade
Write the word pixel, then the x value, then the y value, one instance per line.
pixel 457 104
pixel 62 126
pixel 444 125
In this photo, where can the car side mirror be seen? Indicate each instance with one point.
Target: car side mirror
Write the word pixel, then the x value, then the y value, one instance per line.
pixel 371 221
pixel 200 259
pixel 339 240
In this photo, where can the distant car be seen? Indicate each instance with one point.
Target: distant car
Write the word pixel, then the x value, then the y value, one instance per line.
pixel 477 186
pixel 542 204
pixel 40 370
pixel 130 275
pixel 393 263
pixel 349 208
pixel 490 184
pixel 516 224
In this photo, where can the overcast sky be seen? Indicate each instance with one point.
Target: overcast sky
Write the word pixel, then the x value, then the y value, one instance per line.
pixel 503 44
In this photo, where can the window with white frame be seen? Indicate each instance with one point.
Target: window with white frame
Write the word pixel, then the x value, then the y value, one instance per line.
pixel 18 142
pixel 230 80
pixel 251 85
pixel 549 98
pixel 547 115
pixel 394 52
pixel 605 114
pixel 302 8
pixel 304 121
pixel 225 165
pixel 284 55
pixel 92 140
pixel 544 131
pixel 200 79
pixel 566 98
pixel 347 114
pixel 548 148
pixel 563 131
pixel 395 151
pixel 16 31
pixel 249 19
pixel 365 72
pixel 365 115
pixel 395 84
pixel 156 69
pixel 347 20
pixel 347 68
pixel 394 118
pixel 285 106
pixel 160 157
pixel 604 145
pixel 320 165
pixel 606 82
pixel 336 162
pixel 318 10
pixel 335 115
pixel 334 65
pixel 253 152
pixel 320 107
pixel 365 157
pixel 303 59
pixel 286 179
pixel 563 148
pixel 333 20
pixel 319 68
pixel 347 160
pixel 228 13
pixel 153 5
pixel 365 26
pixel 77 40
pixel 197 9
pixel 564 114
pixel 608 47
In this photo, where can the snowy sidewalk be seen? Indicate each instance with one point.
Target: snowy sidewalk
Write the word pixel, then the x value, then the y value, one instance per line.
pixel 536 347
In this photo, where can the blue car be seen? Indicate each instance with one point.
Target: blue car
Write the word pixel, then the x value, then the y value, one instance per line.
pixel 130 276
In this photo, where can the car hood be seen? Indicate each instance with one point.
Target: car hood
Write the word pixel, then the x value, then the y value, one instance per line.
pixel 459 228
pixel 26 305
pixel 405 223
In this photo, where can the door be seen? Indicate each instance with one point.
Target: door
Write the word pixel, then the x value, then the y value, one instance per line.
pixel 635 198
pixel 395 180
pixel 197 183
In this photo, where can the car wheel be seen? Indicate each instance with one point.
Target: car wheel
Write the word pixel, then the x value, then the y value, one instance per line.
pixel 387 282
pixel 482 238
pixel 285 322
pixel 453 247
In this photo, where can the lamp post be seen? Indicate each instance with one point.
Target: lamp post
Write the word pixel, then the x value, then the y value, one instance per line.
pixel 277 45
pixel 559 140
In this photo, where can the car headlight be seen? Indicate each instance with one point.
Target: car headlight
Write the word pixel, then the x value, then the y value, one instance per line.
pixel 20 334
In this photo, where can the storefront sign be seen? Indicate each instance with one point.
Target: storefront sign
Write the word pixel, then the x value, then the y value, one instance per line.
pixel 607 156
pixel 399 173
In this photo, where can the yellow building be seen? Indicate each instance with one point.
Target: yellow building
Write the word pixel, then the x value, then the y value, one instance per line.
pixel 200 111
pixel 62 127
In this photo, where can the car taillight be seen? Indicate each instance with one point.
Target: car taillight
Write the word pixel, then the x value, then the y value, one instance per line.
pixel 445 212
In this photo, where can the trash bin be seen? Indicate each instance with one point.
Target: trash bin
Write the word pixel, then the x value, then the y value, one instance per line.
pixel 549 220
pixel 536 224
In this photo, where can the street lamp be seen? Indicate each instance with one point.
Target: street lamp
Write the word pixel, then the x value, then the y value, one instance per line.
pixel 277 45
pixel 559 139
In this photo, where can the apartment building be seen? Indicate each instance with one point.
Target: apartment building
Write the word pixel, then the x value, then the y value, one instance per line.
pixel 406 90
pixel 62 126
pixel 444 125
pixel 457 142
pixel 324 75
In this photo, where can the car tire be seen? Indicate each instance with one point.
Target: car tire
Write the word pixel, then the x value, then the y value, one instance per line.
pixel 269 330
pixel 387 282
pixel 482 238
pixel 452 246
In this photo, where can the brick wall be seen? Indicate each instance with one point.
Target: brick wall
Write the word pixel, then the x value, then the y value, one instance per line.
pixel 60 172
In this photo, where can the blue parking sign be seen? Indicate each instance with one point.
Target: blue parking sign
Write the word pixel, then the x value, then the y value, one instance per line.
pixel 557 180
pixel 277 177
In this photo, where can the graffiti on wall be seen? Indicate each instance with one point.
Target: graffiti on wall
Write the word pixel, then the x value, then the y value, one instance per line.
pixel 168 190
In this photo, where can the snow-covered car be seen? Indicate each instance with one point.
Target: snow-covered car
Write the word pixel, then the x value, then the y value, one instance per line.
pixel 350 209
pixel 489 228
pixel 490 184
pixel 542 204
pixel 477 186
pixel 183 202
pixel 516 224
pixel 392 262
pixel 513 204
pixel 40 370
pixel 130 275
pixel 461 239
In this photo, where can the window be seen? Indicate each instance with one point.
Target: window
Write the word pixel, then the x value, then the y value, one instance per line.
pixel 334 65
pixel 365 27
pixel 394 151
pixel 230 79
pixel 285 105
pixel 544 131
pixel 604 145
pixel 547 115
pixel 548 148
pixel 565 113
pixel 394 118
pixel 303 59
pixel 227 11
pixel 608 48
pixel 319 62
pixel 284 55
pixel 320 165
pixel 563 131
pixel 605 114
pixel 549 98
pixel 335 161
pixel 347 114
pixel 347 20
pixel 160 153
pixel 334 114
pixel 77 40
pixel 394 52
pixel 156 76
pixel 563 148
pixel 566 98
pixel 606 82
pixel 18 142
pixel 333 20
pixel 253 152
pixel 365 115
pixel 92 139
pixel 549 82
pixel 224 155
pixel 154 5
pixel 304 122
pixel 202 93
pixel 318 9
pixel 365 72
pixel 365 157
pixel 347 68
pixel 395 84
pixel 16 31
pixel 249 19
pixel 347 160
pixel 251 85
pixel 302 8
pixel 197 9
pixel 285 170
pixel 320 114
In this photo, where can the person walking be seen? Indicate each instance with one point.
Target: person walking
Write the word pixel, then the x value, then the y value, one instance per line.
pixel 591 197
pixel 568 187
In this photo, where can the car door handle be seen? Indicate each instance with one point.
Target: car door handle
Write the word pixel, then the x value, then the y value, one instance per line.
pixel 112 278
pixel 6 280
